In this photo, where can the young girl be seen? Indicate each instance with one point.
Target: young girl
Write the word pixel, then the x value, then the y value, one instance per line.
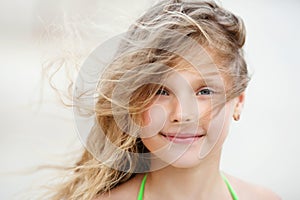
pixel 163 110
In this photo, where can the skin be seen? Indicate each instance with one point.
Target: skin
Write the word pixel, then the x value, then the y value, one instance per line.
pixel 129 191
pixel 183 113
pixel 186 175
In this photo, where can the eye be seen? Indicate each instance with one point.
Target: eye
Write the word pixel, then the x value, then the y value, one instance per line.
pixel 163 92
pixel 205 91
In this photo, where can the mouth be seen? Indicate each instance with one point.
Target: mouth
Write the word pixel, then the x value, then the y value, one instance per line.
pixel 182 138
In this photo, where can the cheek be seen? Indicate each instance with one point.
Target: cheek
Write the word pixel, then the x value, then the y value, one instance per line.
pixel 205 114
pixel 217 130
pixel 154 120
pixel 220 122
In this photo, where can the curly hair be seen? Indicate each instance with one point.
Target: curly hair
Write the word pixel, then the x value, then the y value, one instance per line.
pixel 113 153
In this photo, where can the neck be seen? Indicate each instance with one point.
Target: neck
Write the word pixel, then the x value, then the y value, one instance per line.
pixel 203 181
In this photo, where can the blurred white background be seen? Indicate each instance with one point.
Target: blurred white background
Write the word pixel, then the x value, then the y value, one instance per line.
pixel 263 146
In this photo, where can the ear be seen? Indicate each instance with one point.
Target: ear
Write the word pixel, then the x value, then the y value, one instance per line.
pixel 239 104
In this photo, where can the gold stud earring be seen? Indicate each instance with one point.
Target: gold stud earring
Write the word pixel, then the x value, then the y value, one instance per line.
pixel 236 116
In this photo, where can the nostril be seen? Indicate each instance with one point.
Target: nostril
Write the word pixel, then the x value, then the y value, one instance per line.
pixel 175 120
pixel 184 118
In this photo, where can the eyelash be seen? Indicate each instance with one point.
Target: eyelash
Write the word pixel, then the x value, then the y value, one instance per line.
pixel 206 90
pixel 165 92
pixel 162 91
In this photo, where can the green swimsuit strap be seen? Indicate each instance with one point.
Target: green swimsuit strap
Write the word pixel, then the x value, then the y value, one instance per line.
pixel 142 188
pixel 232 192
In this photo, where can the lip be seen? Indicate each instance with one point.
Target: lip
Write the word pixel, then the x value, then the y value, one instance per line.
pixel 182 138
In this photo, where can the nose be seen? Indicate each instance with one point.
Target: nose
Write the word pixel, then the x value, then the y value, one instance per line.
pixel 183 110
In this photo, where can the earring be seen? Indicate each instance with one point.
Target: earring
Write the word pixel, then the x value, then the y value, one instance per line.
pixel 236 116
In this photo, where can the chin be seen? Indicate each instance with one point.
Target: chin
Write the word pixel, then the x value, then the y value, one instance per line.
pixel 185 163
pixel 193 158
pixel 181 157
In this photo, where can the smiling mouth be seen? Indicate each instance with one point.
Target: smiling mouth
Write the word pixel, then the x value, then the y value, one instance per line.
pixel 182 138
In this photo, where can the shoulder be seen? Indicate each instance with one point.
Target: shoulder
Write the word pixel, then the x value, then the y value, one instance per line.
pixel 126 191
pixel 246 190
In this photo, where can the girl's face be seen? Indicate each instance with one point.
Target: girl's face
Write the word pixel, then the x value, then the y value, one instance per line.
pixel 182 126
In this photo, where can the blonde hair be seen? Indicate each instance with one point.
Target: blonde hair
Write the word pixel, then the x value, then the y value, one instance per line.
pixel 143 57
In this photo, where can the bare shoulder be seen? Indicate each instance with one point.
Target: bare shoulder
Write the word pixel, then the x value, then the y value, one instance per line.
pixel 126 191
pixel 250 191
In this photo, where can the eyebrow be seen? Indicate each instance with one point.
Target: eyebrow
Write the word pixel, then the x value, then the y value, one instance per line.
pixel 213 81
pixel 210 78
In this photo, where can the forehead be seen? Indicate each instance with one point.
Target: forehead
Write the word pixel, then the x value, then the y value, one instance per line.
pixel 204 68
pixel 207 66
